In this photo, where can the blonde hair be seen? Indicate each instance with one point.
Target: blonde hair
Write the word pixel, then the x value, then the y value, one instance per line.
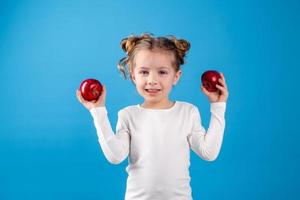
pixel 133 44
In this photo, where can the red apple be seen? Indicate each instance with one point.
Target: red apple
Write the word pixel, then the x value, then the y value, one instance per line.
pixel 210 79
pixel 91 89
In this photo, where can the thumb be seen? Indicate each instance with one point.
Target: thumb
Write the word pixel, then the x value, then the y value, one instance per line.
pixel 79 97
pixel 204 90
pixel 103 94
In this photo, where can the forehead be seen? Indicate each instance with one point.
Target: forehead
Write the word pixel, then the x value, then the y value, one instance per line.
pixel 154 58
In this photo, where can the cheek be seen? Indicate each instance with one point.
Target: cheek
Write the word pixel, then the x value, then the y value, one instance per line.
pixel 168 82
pixel 139 81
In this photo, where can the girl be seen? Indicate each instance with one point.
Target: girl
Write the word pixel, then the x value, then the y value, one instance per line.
pixel 157 134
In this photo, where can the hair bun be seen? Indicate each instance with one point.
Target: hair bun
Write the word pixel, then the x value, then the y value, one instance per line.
pixel 182 45
pixel 127 44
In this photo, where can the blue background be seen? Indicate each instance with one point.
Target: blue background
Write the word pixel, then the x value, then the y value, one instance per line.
pixel 48 144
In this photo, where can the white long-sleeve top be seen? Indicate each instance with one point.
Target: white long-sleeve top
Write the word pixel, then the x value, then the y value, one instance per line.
pixel 158 144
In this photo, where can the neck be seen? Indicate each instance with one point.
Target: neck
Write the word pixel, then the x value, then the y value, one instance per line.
pixel 158 105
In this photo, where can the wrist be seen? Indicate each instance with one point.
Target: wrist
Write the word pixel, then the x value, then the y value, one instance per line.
pixel 94 107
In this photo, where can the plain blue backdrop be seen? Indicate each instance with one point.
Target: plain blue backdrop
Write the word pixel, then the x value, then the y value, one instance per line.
pixel 48 144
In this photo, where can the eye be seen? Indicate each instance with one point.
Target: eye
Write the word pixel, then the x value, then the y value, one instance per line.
pixel 163 72
pixel 143 72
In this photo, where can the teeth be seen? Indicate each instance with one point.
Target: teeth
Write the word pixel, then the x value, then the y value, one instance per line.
pixel 152 90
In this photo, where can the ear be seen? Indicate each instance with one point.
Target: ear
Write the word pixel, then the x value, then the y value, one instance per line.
pixel 177 77
pixel 132 77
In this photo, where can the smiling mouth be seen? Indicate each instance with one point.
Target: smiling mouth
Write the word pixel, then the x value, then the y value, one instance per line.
pixel 153 91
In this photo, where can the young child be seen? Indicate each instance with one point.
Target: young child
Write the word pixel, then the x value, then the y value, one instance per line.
pixel 157 134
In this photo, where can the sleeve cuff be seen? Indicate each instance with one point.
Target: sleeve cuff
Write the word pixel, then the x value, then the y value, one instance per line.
pixel 98 111
pixel 218 106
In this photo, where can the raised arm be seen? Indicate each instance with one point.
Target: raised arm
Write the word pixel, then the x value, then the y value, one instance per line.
pixel 114 146
pixel 208 144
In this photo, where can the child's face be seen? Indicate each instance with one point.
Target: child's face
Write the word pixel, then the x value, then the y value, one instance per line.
pixel 154 75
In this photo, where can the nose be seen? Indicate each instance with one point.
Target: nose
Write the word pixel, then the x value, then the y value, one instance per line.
pixel 152 79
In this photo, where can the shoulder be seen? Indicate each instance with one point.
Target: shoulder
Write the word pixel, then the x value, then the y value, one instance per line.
pixel 127 111
pixel 187 112
pixel 187 109
pixel 186 106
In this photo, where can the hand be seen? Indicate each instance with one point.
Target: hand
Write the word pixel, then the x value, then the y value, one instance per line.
pixel 221 94
pixel 92 104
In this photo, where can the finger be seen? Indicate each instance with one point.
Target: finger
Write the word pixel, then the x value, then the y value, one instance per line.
pixel 222 80
pixel 222 76
pixel 221 88
pixel 104 90
pixel 103 94
pixel 204 90
pixel 78 95
pixel 80 98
